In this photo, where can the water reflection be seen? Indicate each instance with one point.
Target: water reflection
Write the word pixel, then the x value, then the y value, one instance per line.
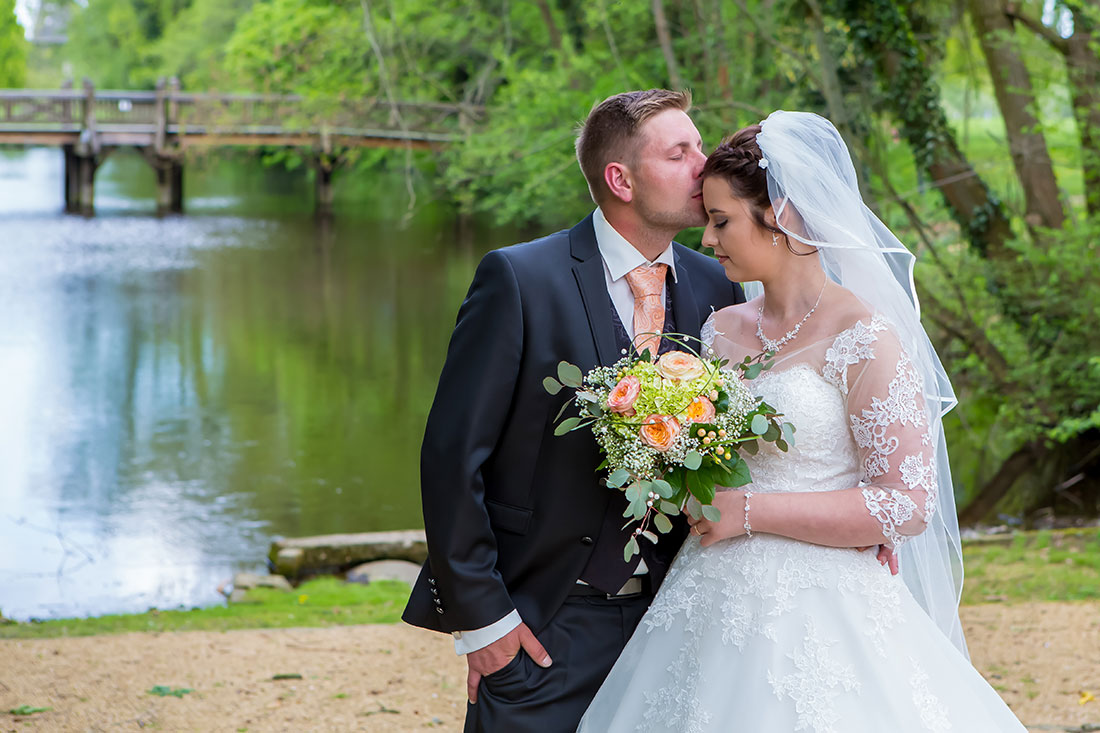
pixel 177 391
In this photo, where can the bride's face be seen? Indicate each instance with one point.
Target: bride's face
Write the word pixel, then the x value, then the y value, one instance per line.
pixel 742 246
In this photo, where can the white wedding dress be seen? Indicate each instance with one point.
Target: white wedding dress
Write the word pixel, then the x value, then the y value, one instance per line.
pixel 765 634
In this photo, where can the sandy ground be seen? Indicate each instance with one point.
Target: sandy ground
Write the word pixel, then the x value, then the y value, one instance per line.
pixel 1039 656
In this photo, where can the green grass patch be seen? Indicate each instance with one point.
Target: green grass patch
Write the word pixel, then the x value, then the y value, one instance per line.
pixel 319 602
pixel 1047 565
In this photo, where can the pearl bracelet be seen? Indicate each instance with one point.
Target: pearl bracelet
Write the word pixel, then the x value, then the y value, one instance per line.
pixel 748 527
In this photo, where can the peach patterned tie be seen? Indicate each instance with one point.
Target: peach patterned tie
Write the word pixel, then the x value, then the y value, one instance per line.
pixel 646 282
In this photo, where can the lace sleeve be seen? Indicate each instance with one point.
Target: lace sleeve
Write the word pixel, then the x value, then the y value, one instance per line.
pixel 890 425
pixel 708 332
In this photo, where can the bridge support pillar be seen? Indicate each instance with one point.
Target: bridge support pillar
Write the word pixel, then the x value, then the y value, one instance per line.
pixel 323 184
pixel 80 181
pixel 168 167
pixel 169 187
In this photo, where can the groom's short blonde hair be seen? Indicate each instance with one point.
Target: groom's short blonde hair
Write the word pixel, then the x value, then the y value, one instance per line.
pixel 611 132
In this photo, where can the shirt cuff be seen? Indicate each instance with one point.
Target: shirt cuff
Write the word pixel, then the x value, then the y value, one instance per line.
pixel 471 641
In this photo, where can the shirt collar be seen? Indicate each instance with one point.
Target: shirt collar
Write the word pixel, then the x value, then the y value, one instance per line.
pixel 619 255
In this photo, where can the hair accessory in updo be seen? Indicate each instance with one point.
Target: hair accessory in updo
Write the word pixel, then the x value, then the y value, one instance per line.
pixel 763 163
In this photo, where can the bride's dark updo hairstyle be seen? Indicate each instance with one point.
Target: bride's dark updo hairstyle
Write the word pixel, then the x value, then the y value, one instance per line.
pixel 737 161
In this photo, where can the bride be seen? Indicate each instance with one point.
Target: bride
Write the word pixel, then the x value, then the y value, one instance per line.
pixel 768 620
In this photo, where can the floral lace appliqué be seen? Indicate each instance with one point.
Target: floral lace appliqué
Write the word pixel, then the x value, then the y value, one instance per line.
pixel 932 714
pixel 851 347
pixel 815 683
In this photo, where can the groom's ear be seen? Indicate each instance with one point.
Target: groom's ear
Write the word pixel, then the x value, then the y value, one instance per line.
pixel 618 180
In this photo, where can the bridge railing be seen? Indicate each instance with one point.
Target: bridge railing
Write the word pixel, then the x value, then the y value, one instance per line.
pixel 184 113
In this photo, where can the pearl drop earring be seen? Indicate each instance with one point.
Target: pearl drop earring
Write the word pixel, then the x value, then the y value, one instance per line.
pixel 775 240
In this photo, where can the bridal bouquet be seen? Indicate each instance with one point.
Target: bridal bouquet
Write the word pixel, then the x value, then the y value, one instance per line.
pixel 671 429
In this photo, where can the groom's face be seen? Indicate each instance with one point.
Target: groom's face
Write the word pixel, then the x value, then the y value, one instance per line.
pixel 668 189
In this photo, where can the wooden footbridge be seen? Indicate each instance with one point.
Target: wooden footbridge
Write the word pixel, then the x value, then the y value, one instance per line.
pixel 87 124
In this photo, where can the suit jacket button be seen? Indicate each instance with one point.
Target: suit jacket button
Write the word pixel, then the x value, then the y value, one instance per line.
pixel 586 540
pixel 431 581
pixel 439 609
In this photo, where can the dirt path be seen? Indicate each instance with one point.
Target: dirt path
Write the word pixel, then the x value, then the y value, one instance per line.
pixel 395 678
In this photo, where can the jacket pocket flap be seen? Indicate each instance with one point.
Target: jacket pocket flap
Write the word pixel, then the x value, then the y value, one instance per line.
pixel 507 517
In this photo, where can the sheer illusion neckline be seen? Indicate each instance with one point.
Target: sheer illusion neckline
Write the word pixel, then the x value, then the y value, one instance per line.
pixel 753 349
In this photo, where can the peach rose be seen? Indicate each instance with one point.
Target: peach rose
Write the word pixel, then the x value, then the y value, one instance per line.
pixel 700 410
pixel 660 431
pixel 680 365
pixel 623 395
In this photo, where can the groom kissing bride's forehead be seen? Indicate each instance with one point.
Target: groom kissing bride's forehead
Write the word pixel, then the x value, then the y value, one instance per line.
pixel 525 563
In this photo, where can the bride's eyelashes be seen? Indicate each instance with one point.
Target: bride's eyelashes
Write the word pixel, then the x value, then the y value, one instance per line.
pixel 720 224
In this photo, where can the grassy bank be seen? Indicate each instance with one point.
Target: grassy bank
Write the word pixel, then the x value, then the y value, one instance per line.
pixel 1047 565
pixel 320 602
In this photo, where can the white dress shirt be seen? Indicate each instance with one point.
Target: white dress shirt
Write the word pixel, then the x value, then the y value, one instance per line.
pixel 619 257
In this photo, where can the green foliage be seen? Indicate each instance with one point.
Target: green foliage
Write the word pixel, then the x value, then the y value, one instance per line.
pixel 108 44
pixel 193 45
pixel 13 47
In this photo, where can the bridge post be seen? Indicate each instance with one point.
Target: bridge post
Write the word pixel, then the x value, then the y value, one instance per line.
pixel 165 162
pixel 82 159
pixel 324 163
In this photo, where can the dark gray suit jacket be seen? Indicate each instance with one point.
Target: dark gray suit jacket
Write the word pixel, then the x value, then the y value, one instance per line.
pixel 510 510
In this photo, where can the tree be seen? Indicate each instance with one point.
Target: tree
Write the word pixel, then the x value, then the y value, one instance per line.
pixel 13 47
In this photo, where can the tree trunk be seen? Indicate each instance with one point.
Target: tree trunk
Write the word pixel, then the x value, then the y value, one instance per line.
pixel 551 26
pixel 1083 67
pixel 997 487
pixel 665 39
pixel 1083 73
pixel 1012 86
pixel 884 33
pixel 834 98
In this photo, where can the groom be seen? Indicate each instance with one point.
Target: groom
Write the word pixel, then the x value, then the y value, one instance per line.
pixel 525 563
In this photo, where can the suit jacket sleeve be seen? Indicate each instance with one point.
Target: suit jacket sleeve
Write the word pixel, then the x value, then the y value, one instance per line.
pixel 471 404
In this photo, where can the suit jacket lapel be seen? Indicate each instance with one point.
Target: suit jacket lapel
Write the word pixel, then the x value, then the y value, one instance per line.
pixel 588 270
pixel 684 307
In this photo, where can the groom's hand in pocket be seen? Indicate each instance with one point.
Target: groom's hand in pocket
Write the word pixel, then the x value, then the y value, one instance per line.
pixel 493 658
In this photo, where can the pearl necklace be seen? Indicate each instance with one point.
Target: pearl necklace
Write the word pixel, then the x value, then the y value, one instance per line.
pixel 770 345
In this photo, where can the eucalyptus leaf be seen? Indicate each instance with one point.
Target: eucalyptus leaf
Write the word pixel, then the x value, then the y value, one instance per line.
pixel 751 447
pixel 712 512
pixel 788 432
pixel 566 425
pixel 759 424
pixel 551 385
pixel 693 508
pixel 663 488
pixel 618 477
pixel 782 445
pixel 753 371
pixel 693 460
pixel 668 507
pixel 563 408
pixel 662 523
pixel 772 434
pixel 650 536
pixel 569 374
pixel 633 491
pixel 630 550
